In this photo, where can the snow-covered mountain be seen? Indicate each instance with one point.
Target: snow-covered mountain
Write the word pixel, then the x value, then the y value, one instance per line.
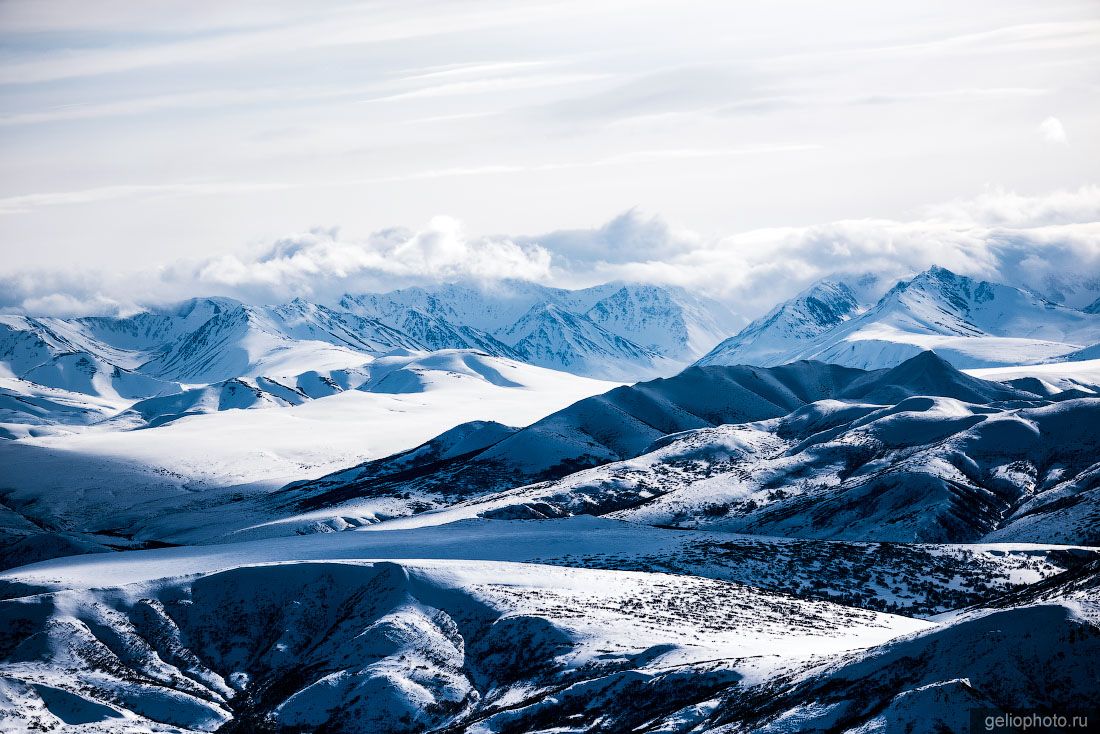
pixel 209 514
pixel 788 326
pixel 616 425
pixel 589 332
pixel 246 341
pixel 550 336
pixel 971 323
pixel 979 461
pixel 621 425
pixel 615 331
pixel 426 319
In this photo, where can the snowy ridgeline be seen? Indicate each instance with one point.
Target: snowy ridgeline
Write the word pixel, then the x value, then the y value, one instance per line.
pixel 216 353
pixel 611 332
pixel 970 323
pixel 457 540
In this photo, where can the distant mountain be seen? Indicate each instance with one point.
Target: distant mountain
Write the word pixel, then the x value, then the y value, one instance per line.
pixel 667 320
pixel 53 354
pixel 245 341
pixel 617 331
pixel 968 322
pixel 432 324
pixel 147 330
pixel 26 343
pixel 788 326
pixel 550 336
pixel 612 331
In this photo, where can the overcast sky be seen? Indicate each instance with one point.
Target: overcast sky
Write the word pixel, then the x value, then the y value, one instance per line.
pixel 139 136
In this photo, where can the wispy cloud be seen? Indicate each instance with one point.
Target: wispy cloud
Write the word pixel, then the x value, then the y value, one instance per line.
pixel 25 203
pixel 29 202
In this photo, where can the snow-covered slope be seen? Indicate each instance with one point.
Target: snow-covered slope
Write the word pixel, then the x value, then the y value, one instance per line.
pixel 968 322
pixel 343 633
pixel 917 580
pixel 28 409
pixel 619 424
pixel 422 316
pixel 403 646
pixel 400 372
pixel 1082 375
pixel 146 331
pixel 624 423
pixel 995 660
pixel 788 326
pixel 667 320
pixel 26 343
pixel 84 373
pixel 107 477
pixel 926 469
pixel 444 608
pixel 247 341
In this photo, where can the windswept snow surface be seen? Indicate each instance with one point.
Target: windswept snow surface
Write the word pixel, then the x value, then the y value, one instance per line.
pixel 100 474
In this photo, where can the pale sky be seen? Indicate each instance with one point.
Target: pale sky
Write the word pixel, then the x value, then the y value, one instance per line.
pixel 137 135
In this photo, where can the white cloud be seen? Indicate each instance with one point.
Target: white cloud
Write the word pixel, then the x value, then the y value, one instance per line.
pixel 998 207
pixel 1049 243
pixel 1052 131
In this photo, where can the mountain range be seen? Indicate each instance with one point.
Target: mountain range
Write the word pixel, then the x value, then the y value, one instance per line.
pixel 407 512
pixel 969 322
pixel 917 453
pixel 622 332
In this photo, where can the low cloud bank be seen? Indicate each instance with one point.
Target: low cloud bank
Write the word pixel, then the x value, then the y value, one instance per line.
pixel 1050 244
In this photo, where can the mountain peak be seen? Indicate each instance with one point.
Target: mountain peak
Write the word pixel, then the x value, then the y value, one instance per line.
pixel 203 306
pixel 924 363
pixel 928 373
pixel 766 341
